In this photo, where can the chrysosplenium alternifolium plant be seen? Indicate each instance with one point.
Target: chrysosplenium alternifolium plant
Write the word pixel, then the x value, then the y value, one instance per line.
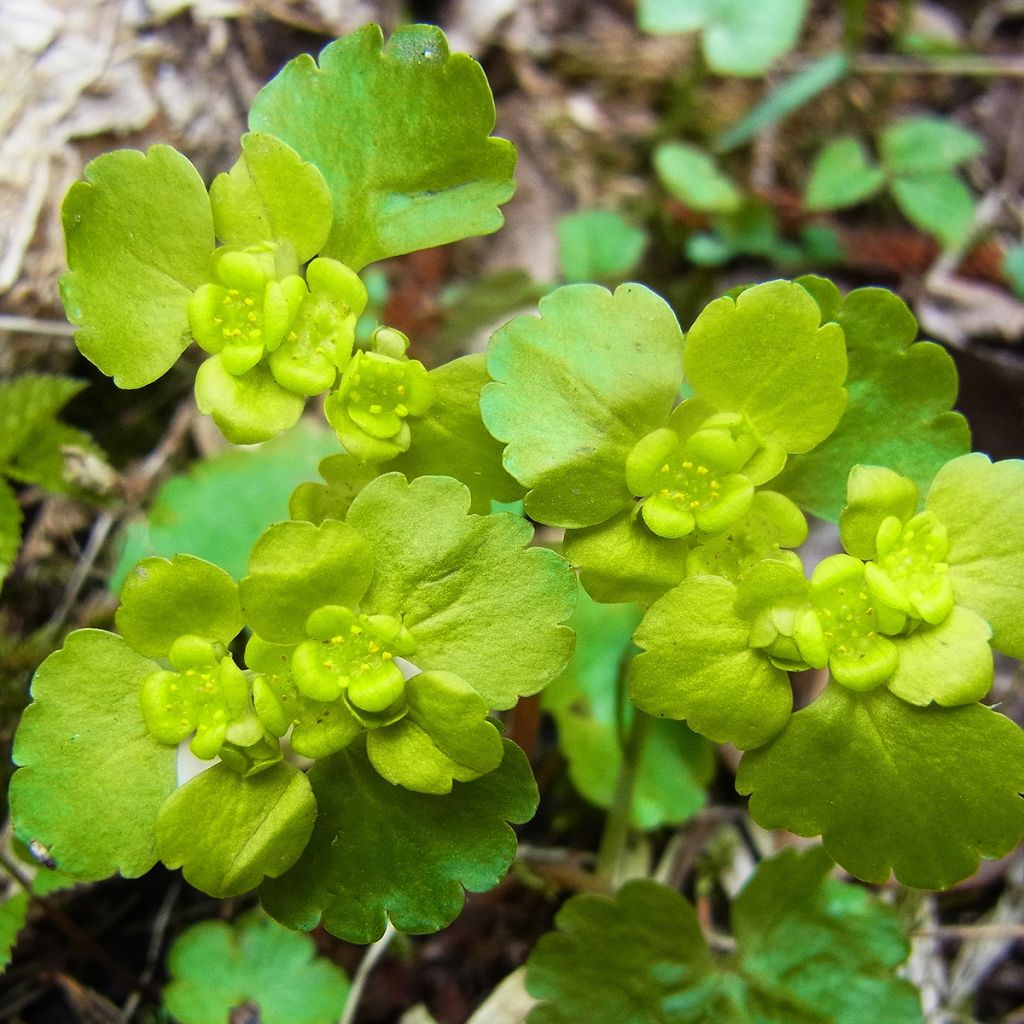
pixel 378 628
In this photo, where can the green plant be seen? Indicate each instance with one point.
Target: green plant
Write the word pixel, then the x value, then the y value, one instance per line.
pixel 738 224
pixel 216 968
pixel 734 40
pixel 34 448
pixel 918 161
pixel 377 630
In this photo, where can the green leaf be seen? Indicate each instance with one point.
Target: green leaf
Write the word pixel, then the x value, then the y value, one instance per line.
pixel 380 852
pixel 216 967
pixel 228 832
pixel 42 460
pixel 13 912
pixel 764 354
pixel 446 736
pixel 830 947
pixel 737 39
pixel 92 778
pixel 272 195
pixel 139 235
pixel 693 177
pixel 873 494
pixel 809 951
pixel 576 390
pixel 923 145
pixel 595 245
pixel 401 135
pixel 842 175
pixel 218 509
pixel 477 601
pixel 698 667
pixel 789 95
pixel 296 568
pixel 10 528
pixel 29 404
pixel 343 477
pixel 622 560
pixel 164 599
pixel 924 792
pixel 899 410
pixel 617 960
pixel 452 439
pixel 675 764
pixel 950 663
pixel 939 203
pixel 981 504
pixel 249 408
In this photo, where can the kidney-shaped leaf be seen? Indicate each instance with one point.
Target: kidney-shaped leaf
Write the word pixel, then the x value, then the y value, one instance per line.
pixel 164 599
pixel 478 602
pixel 92 778
pixel 139 240
pixel 765 354
pixel 924 792
pixel 899 411
pixel 981 504
pixel 697 666
pixel 228 832
pixel 216 967
pixel 298 567
pixel 380 851
pixel 401 133
pixel 271 195
pixel 810 950
pixel 576 389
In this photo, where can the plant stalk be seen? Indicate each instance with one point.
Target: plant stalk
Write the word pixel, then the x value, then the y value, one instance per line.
pixel 619 822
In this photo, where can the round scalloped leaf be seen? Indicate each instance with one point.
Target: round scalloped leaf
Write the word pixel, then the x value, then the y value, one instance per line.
pixel 736 39
pixel 922 145
pixel 477 600
pixel 344 477
pixel 576 389
pixel 164 599
pixel 842 175
pixel 950 663
pixel 92 778
pixel 139 237
pixel 621 959
pixel 296 568
pixel 401 134
pixel 923 792
pixel 981 504
pixel 766 354
pixel 216 967
pixel 451 437
pixel 939 203
pixel 693 177
pixel 809 951
pixel 228 832
pixel 697 666
pixel 899 411
pixel 272 195
pixel 379 851
pixel 621 560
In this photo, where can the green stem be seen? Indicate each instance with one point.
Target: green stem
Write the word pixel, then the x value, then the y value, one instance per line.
pixel 619 821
